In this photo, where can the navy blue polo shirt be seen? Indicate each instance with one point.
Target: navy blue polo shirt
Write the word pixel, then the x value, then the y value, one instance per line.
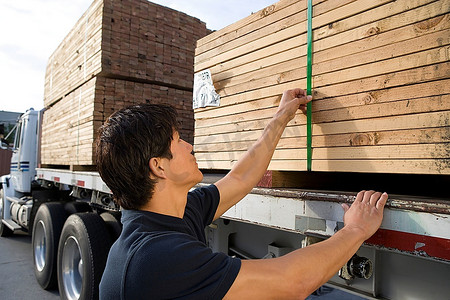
pixel 164 257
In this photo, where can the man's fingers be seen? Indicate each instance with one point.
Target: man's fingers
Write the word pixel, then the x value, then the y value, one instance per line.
pixel 345 207
pixel 374 198
pixel 382 201
pixel 303 108
pixel 304 99
pixel 299 93
pixel 367 195
pixel 359 196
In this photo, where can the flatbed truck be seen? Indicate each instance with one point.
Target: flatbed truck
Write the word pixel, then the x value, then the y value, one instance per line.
pixel 73 222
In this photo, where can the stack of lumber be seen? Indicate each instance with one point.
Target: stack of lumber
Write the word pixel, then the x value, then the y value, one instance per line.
pixel 70 126
pixel 380 84
pixel 118 54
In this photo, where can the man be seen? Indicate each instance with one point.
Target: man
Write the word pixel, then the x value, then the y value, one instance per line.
pixel 162 252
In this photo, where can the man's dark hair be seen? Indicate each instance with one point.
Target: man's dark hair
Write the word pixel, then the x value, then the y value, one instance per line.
pixel 125 144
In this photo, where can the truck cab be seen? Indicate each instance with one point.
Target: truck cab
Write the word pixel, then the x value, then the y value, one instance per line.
pixel 69 214
pixel 16 203
pixel 25 154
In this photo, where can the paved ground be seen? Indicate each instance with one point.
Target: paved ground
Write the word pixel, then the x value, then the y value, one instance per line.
pixel 17 279
pixel 328 293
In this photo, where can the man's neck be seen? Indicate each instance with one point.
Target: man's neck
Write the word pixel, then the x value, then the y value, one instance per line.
pixel 168 200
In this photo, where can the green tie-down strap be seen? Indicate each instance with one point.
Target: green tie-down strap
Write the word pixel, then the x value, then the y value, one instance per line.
pixel 308 87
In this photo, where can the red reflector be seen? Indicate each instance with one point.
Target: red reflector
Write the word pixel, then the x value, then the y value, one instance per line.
pixel 80 183
pixel 55 178
pixel 411 242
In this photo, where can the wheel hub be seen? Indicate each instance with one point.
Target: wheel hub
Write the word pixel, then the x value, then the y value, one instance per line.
pixel 40 245
pixel 72 268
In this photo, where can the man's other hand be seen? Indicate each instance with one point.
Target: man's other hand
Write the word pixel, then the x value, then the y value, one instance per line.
pixel 366 212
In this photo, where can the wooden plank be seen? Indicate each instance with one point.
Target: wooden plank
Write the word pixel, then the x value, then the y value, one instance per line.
pixel 217 58
pixel 411 76
pixel 395 137
pixel 393 65
pixel 415 166
pixel 270 14
pixel 414 121
pixel 279 15
pixel 424 120
pixel 418 151
pixel 409 24
pixel 214 57
pixel 433 97
pixel 379 19
pixel 420 90
pixel 243 22
pixel 397 108
pixel 366 112
pixel 405 62
pixel 330 27
pixel 296 46
pixel 278 19
pixel 289 70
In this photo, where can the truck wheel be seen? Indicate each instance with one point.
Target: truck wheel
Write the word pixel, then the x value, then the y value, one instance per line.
pixel 4 230
pixel 74 207
pixel 48 223
pixel 82 253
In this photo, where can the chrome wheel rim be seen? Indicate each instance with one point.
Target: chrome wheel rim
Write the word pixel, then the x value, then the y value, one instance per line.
pixel 72 268
pixel 40 245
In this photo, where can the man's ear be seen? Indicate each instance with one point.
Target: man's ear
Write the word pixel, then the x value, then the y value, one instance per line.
pixel 156 167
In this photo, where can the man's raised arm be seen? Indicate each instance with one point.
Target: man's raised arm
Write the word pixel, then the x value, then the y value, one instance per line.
pixel 246 173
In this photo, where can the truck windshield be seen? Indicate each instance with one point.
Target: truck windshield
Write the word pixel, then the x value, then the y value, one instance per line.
pixel 18 129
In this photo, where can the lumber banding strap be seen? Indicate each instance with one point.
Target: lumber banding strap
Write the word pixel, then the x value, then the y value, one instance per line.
pixel 308 87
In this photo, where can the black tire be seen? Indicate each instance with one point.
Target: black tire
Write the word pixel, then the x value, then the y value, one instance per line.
pixel 74 207
pixel 82 253
pixel 112 224
pixel 47 226
pixel 4 230
pixel 44 196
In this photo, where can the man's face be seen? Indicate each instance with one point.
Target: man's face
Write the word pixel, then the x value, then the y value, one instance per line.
pixel 182 168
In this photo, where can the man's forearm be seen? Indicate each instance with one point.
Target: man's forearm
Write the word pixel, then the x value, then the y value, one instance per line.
pixel 251 167
pixel 297 274
pixel 319 262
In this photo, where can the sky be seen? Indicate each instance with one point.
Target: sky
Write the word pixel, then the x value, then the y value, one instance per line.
pixel 30 30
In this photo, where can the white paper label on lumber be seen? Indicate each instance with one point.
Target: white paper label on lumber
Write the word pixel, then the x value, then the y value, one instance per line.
pixel 204 92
